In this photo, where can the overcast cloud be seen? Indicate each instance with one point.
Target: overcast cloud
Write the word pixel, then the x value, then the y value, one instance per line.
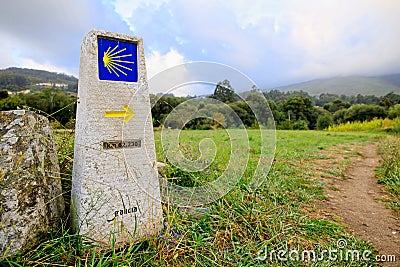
pixel 272 42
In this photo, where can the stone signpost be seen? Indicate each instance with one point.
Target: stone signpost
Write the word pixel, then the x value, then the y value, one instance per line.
pixel 115 187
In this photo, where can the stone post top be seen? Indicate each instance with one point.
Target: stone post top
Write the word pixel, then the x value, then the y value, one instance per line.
pixel 111 35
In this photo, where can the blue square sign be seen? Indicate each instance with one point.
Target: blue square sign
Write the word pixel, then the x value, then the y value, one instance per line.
pixel 117 60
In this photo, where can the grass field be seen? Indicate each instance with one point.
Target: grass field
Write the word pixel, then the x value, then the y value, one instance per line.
pixel 235 230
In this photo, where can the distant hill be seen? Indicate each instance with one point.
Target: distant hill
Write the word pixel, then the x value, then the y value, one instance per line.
pixel 393 79
pixel 15 79
pixel 352 85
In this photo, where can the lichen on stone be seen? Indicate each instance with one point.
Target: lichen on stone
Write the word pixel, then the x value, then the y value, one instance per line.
pixel 30 185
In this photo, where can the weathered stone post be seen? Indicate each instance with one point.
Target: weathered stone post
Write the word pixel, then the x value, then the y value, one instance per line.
pixel 115 188
pixel 31 201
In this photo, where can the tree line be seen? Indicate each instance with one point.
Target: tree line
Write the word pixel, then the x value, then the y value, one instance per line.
pixel 226 108
pixel 53 103
pixel 291 110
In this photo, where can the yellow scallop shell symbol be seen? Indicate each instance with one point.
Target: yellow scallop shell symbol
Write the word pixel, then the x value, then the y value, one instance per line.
pixel 113 61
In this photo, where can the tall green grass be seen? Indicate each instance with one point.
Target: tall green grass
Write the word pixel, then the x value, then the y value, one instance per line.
pixel 389 171
pixel 232 231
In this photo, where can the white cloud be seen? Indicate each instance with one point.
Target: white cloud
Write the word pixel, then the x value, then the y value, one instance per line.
pixel 45 34
pixel 255 13
pixel 157 62
pixel 31 64
pixel 127 8
pixel 10 55
pixel 337 38
pixel 303 39
pixel 7 51
pixel 271 41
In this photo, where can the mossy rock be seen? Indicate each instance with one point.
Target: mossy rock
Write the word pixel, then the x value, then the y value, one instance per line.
pixel 31 201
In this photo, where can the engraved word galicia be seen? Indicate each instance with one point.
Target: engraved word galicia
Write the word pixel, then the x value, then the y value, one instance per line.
pixel 122 212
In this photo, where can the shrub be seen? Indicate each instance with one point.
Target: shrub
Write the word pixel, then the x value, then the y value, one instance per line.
pixel 300 125
pixel 362 112
pixel 375 124
pixel 324 122
pixel 394 112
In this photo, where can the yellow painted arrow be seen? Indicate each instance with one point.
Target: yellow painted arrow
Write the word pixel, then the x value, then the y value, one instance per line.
pixel 127 114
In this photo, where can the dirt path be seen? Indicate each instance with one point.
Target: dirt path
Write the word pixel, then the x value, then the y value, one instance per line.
pixel 357 202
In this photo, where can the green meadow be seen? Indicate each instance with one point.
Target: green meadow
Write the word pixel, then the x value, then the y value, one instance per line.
pixel 242 227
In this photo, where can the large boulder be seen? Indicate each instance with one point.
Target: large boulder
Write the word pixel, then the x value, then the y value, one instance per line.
pixel 31 201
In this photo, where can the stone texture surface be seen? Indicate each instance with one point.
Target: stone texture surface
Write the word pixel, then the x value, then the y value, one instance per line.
pixel 115 192
pixel 31 201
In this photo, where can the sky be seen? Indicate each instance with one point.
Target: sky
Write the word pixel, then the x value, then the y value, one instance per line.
pixel 273 42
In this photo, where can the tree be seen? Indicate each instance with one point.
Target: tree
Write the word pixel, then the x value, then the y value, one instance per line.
pixel 295 108
pixel 300 125
pixel 224 92
pixel 339 116
pixel 53 102
pixel 324 121
pixel 13 79
pixel 394 112
pixel 37 101
pixel 300 108
pixel 385 102
pixel 362 112
pixel 259 106
pixel 164 105
pixel 336 105
pixel 11 103
pixel 274 109
pixel 325 98
pixel 390 100
pixel 219 120
pixel 3 94
pixel 244 112
pixel 64 107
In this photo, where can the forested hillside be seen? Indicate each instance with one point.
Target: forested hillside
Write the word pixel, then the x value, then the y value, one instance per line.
pixel 17 79
pixel 351 85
